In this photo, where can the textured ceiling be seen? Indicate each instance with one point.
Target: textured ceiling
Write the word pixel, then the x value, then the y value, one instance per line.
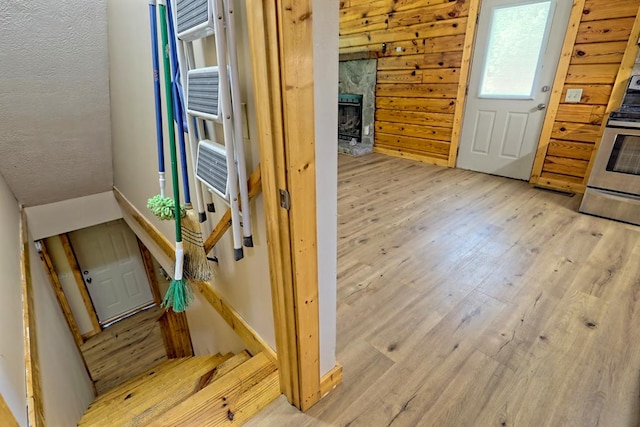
pixel 55 138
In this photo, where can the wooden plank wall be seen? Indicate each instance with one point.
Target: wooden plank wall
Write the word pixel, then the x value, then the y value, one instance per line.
pixel 600 45
pixel 419 45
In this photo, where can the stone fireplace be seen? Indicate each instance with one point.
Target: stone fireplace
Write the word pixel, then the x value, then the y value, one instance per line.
pixel 356 106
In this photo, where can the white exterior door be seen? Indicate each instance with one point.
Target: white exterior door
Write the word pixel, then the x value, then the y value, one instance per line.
pixel 112 268
pixel 518 45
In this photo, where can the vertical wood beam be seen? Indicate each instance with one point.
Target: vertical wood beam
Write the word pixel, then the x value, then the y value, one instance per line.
pixel 556 92
pixel 465 68
pixel 295 25
pixel 281 41
pixel 174 326
pixel 82 287
pixel 619 87
pixel 35 407
pixel 54 280
pixel 147 261
pixel 263 37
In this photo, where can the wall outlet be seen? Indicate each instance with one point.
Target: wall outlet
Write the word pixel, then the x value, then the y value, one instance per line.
pixel 573 95
pixel 398 48
pixel 366 130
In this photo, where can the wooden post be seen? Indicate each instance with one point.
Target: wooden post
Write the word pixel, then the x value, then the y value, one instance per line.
pixel 35 407
pixel 82 287
pixel 281 37
pixel 54 280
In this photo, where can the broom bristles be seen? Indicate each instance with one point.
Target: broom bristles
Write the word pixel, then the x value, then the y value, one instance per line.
pixel 178 296
pixel 196 264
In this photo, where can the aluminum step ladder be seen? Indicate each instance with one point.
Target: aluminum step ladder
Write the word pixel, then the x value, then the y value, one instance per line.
pixel 212 94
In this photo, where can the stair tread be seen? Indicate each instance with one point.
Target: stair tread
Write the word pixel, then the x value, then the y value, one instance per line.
pixel 232 398
pixel 140 378
pixel 171 383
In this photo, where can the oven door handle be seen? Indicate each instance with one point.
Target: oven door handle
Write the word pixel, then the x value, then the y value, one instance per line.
pixel 621 124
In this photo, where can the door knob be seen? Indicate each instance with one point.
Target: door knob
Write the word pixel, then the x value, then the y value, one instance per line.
pixel 541 106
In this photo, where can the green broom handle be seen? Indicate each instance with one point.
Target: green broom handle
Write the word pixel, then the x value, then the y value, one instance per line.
pixel 169 101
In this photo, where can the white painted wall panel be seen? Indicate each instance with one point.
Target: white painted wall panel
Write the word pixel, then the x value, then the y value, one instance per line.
pixel 66 387
pixel 325 52
pixel 12 378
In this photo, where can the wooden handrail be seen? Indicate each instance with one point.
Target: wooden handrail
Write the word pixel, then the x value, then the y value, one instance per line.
pixel 255 344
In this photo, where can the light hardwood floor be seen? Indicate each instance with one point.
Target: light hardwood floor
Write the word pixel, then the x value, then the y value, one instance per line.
pixel 471 300
pixel 125 349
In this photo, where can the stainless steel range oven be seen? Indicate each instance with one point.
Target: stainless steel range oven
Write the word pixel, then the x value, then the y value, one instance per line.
pixel 613 190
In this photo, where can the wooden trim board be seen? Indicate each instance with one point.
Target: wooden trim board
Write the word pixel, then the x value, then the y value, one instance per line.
pixel 331 380
pixel 411 156
pixel 60 295
pixel 263 38
pixel 295 28
pixel 247 334
pixel 82 287
pixel 556 91
pixel 35 405
pixel 619 87
pixel 465 71
pixel 6 415
pixel 281 38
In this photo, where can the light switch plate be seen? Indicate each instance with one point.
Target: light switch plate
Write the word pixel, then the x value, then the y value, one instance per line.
pixel 573 95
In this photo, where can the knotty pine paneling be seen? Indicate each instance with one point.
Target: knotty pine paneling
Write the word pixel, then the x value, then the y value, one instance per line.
pixel 419 45
pixel 601 42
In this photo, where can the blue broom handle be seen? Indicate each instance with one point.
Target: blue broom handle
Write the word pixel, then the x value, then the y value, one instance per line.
pixel 177 106
pixel 156 83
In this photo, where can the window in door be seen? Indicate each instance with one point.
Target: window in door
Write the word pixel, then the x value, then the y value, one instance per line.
pixel 516 38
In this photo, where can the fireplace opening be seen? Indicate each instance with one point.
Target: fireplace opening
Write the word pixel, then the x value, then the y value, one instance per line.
pixel 350 118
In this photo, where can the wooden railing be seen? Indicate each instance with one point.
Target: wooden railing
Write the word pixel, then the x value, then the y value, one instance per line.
pixel 35 408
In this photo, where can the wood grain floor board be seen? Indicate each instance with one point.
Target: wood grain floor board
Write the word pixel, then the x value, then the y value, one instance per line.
pixel 125 349
pixel 472 300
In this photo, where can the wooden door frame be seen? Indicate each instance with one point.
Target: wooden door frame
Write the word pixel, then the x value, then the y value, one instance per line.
pixel 281 38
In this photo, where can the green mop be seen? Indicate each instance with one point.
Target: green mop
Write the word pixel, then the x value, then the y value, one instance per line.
pixel 179 295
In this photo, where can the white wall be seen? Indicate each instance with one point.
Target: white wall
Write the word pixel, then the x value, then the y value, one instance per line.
pixel 244 284
pixel 66 387
pixel 325 53
pixel 54 108
pixel 12 380
pixel 62 217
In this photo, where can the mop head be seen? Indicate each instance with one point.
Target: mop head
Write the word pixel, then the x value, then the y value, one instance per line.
pixel 196 264
pixel 163 207
pixel 178 296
